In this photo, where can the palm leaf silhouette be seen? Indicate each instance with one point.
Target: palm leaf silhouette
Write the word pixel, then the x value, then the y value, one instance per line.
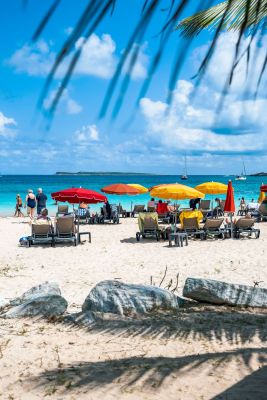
pixel 243 16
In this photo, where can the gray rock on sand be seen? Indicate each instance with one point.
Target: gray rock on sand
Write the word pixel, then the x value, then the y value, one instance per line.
pixel 216 292
pixel 44 289
pixel 3 303
pixel 45 306
pixel 44 300
pixel 124 299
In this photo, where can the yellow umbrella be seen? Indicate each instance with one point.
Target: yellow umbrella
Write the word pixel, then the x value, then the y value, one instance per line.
pixel 142 189
pixel 261 197
pixel 212 188
pixel 175 191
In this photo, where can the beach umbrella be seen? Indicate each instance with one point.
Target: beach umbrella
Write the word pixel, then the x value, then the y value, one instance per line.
pixel 175 191
pixel 120 189
pixel 78 196
pixel 212 188
pixel 261 197
pixel 142 189
pixel 263 188
pixel 230 204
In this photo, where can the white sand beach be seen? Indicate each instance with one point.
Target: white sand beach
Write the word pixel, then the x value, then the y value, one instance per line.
pixel 197 354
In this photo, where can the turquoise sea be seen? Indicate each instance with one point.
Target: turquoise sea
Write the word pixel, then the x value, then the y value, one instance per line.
pixel 10 185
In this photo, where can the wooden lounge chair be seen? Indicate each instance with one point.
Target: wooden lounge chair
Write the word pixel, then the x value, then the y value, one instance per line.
pixel 42 233
pixel 191 227
pixel 244 227
pixel 212 228
pixel 148 225
pixel 65 230
pixel 137 209
pixel 62 209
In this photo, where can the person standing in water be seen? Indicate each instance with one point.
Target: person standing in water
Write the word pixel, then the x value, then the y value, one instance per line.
pixel 30 202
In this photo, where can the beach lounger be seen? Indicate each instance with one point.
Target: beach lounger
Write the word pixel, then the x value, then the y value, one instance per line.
pixel 65 230
pixel 62 209
pixel 151 209
pixel 137 209
pixel 164 218
pixel 113 217
pixel 213 227
pixel 205 207
pixel 263 210
pixel 42 233
pixel 191 227
pixel 121 211
pixel 244 227
pixel 148 225
pixel 83 215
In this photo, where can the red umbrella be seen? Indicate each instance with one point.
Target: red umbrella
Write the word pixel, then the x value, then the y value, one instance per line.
pixel 230 201
pixel 230 204
pixel 79 195
pixel 263 188
pixel 120 188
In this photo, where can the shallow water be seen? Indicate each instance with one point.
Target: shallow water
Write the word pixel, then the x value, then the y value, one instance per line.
pixel 10 185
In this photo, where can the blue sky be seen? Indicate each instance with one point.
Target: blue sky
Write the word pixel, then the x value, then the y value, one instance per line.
pixel 155 141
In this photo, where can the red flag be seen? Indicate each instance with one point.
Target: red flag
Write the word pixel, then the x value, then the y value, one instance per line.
pixel 230 201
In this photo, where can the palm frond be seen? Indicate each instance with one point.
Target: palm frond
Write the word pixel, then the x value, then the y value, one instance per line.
pixel 241 15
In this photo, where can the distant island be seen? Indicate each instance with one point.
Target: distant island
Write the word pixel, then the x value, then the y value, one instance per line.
pixel 102 173
pixel 259 174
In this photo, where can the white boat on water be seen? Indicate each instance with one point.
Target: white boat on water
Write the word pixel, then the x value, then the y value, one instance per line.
pixel 242 176
pixel 184 177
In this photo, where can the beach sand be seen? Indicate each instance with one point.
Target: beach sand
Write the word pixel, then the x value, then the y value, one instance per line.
pixel 197 354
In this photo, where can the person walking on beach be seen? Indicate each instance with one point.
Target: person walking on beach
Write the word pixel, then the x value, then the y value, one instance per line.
pixel 41 200
pixel 18 207
pixel 30 201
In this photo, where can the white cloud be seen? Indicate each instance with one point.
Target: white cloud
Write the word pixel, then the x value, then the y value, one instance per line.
pixel 191 124
pixel 72 106
pixel 67 103
pixel 139 70
pixel 97 57
pixel 189 127
pixel 7 126
pixel 35 60
pixel 87 134
pixel 221 62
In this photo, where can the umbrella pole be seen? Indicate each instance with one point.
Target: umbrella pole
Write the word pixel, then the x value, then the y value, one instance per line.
pixel 231 220
pixel 175 218
pixel 78 228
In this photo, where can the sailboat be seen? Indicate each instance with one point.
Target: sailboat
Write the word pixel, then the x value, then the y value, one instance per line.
pixel 242 176
pixel 184 177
